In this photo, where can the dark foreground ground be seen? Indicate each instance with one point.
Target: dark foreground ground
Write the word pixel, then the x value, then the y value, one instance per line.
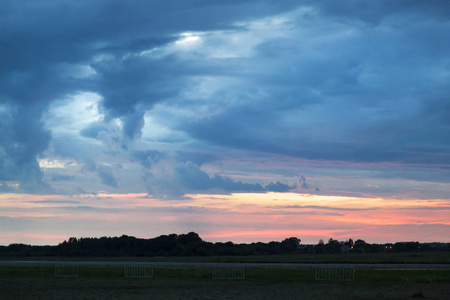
pixel 82 288
pixel 195 283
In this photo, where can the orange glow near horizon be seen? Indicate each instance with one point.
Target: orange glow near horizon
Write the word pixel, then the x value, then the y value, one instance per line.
pixel 34 239
pixel 239 217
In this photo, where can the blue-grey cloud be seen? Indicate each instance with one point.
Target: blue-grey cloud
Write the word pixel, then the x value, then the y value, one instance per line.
pixel 56 201
pixel 22 138
pixel 278 187
pixel 356 81
pixel 350 102
pixel 62 177
pixel 189 176
pixel 326 207
pixel 106 175
pixel 94 129
pixel 147 157
pixel 303 183
pixel 133 124
pixel 165 181
pixel 46 47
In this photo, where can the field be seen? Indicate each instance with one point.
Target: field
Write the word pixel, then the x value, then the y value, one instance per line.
pixel 260 283
pixel 380 258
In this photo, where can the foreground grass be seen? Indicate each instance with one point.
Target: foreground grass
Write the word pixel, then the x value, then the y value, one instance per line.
pixel 259 274
pixel 196 283
pixel 371 258
pixel 201 289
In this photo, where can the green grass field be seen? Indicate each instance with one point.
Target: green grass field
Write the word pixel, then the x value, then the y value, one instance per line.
pixel 260 283
pixel 196 283
pixel 403 257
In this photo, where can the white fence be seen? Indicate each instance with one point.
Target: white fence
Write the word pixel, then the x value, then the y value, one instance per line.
pixel 67 271
pixel 228 272
pixel 138 271
pixel 334 273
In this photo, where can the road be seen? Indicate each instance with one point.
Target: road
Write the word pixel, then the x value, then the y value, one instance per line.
pixel 212 264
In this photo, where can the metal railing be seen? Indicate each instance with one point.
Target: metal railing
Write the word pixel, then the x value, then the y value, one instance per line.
pixel 334 273
pixel 228 272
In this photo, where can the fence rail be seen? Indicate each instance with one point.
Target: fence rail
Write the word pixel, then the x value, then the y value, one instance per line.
pixel 138 271
pixel 67 271
pixel 228 272
pixel 334 273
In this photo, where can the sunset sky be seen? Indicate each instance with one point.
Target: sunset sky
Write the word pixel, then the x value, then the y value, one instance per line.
pixel 243 121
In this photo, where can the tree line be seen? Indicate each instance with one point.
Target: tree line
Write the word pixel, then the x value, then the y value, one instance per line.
pixel 191 244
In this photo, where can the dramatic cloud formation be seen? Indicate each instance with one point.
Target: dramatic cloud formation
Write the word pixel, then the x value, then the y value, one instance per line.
pixel 179 98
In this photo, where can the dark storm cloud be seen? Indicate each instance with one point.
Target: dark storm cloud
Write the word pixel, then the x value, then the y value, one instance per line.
pixel 303 183
pixel 278 187
pixel 57 201
pixel 197 158
pixel 189 175
pixel 365 95
pixel 62 177
pixel 148 157
pixel 22 137
pixel 106 175
pixel 375 11
pixel 189 178
pixel 352 80
pixel 127 80
pixel 93 130
pixel 44 43
pixel 133 124
pixel 46 32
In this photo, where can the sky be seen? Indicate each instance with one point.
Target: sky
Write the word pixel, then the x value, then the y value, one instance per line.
pixel 243 121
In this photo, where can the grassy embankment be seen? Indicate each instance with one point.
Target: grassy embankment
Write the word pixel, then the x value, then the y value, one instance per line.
pixel 196 283
pixel 260 283
pixel 371 258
